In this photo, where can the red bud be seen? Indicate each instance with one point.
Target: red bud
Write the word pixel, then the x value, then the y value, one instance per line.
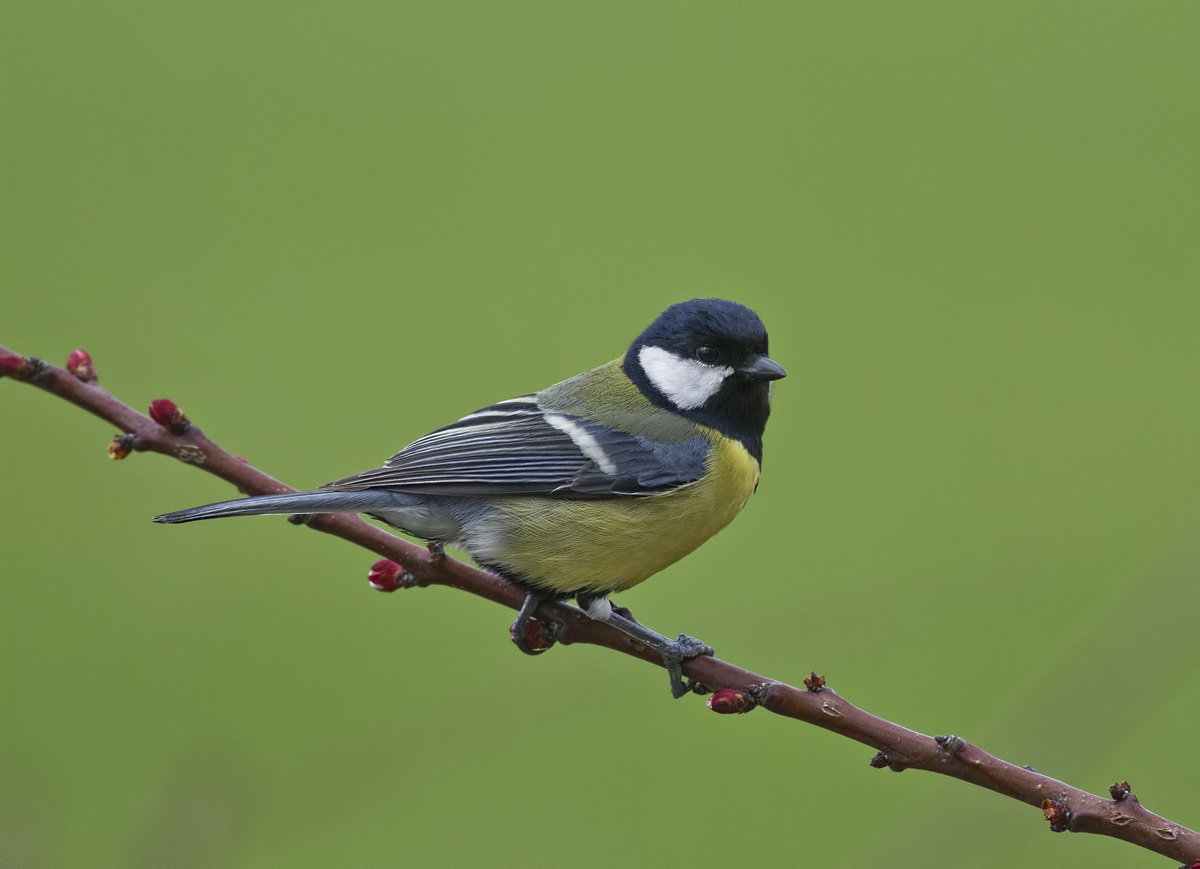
pixel 731 701
pixel 80 364
pixel 536 636
pixel 17 367
pixel 167 414
pixel 385 575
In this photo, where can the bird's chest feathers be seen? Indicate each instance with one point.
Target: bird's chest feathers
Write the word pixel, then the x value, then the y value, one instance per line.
pixel 723 492
pixel 687 517
pixel 575 546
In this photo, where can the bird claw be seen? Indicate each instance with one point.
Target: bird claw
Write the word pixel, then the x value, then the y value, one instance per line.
pixel 527 628
pixel 682 649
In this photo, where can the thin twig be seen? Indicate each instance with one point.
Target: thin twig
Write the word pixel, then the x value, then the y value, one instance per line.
pixel 737 690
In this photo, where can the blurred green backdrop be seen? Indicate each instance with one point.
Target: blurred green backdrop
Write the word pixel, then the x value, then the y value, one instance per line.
pixel 326 229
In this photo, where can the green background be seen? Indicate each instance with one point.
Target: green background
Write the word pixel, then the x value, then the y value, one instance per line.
pixel 325 229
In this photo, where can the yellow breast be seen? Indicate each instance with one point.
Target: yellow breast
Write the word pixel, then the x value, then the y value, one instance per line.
pixel 611 545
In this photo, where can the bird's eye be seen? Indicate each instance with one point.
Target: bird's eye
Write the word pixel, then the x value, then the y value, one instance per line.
pixel 707 355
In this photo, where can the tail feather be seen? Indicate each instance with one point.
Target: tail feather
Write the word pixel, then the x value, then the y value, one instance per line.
pixel 292 502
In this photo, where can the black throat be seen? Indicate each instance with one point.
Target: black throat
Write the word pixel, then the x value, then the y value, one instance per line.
pixel 739 410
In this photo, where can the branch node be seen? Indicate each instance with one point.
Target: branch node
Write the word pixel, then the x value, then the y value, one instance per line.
pixel 814 682
pixel 882 759
pixel 949 744
pixel 1055 811
pixel 122 445
pixel 759 692
pixel 1120 790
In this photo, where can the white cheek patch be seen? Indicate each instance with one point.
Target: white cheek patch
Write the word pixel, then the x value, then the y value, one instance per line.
pixel 688 383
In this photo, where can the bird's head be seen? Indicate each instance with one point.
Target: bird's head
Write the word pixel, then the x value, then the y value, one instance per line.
pixel 707 359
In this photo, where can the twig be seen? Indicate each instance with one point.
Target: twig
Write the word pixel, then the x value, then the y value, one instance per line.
pixel 168 431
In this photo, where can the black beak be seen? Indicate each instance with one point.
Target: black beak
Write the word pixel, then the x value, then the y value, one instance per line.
pixel 763 368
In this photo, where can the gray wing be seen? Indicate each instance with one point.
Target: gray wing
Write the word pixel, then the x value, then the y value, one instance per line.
pixel 517 448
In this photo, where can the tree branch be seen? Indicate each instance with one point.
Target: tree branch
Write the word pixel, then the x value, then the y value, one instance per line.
pixel 1067 808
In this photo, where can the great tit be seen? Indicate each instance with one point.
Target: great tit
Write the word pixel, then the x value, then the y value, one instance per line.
pixel 591 485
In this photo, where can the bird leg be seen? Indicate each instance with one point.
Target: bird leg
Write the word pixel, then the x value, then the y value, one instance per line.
pixel 597 606
pixel 674 652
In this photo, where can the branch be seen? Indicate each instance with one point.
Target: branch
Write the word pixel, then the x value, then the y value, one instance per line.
pixel 1067 808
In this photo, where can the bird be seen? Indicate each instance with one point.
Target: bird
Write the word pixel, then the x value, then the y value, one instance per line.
pixel 593 484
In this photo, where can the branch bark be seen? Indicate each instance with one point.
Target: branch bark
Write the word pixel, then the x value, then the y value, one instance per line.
pixel 1067 808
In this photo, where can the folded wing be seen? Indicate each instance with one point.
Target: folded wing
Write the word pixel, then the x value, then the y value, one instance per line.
pixel 518 448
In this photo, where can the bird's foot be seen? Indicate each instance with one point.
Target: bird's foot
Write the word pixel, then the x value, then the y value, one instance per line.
pixel 682 649
pixel 674 652
pixel 528 634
